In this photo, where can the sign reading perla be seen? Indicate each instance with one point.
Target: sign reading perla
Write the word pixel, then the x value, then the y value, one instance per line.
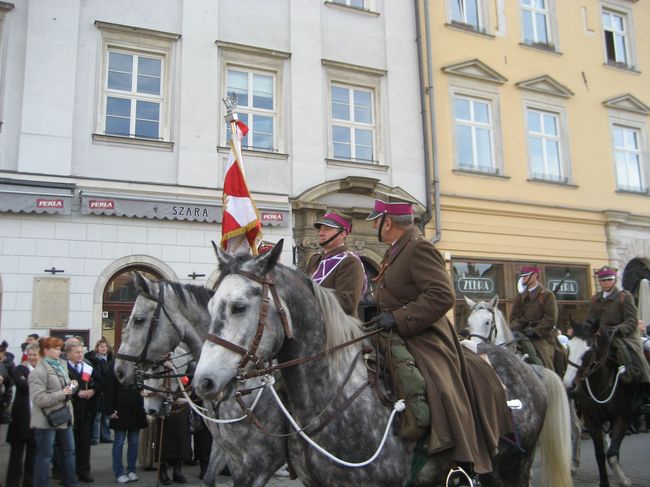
pixel 475 285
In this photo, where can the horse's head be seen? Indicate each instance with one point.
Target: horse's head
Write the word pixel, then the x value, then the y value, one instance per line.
pixel 248 322
pixel 149 333
pixel 580 352
pixel 482 322
pixel 160 387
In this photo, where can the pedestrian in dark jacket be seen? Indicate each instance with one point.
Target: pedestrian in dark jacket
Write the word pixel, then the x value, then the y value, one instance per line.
pixel 20 435
pixel 124 406
pixel 101 358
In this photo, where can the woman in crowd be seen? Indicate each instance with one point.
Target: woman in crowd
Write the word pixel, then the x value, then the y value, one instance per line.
pixel 124 406
pixel 50 390
pixel 101 358
pixel 20 435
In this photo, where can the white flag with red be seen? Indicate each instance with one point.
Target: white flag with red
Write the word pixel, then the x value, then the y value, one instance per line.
pixel 241 225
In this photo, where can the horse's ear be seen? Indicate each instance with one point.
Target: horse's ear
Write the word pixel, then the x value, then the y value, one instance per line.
pixel 494 302
pixel 267 261
pixel 469 302
pixel 144 285
pixel 223 257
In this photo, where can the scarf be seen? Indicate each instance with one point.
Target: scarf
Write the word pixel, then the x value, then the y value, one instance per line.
pixel 58 366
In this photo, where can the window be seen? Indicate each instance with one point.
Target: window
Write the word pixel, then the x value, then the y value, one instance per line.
pixel 614 28
pixel 351 3
pixel 353 126
pixel 135 85
pixel 544 151
pixel 627 156
pixel 133 95
pixel 256 106
pixel 467 12
pixel 474 139
pixel 535 20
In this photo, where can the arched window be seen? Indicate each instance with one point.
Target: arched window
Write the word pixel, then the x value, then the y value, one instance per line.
pixel 119 298
pixel 634 272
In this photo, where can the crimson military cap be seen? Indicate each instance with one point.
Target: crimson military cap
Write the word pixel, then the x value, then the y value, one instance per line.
pixel 335 220
pixel 528 269
pixel 606 273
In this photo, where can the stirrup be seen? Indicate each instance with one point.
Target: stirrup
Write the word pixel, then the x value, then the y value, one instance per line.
pixel 473 480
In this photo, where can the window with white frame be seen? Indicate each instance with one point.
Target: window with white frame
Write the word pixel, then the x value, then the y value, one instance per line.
pixel 474 128
pixel 352 123
pixel 544 145
pixel 616 32
pixel 351 3
pixel 134 87
pixel 256 107
pixel 627 156
pixel 535 21
pixel 468 12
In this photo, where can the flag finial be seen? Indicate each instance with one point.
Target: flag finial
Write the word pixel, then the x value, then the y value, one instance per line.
pixel 231 101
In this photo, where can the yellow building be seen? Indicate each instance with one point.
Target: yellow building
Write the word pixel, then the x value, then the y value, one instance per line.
pixel 538 113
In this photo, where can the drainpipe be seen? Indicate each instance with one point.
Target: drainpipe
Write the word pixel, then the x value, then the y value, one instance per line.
pixel 427 91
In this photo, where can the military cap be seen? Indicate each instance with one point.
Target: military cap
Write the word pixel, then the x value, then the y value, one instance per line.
pixel 528 269
pixel 606 273
pixel 334 219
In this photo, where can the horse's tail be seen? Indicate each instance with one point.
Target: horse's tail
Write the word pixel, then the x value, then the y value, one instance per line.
pixel 555 438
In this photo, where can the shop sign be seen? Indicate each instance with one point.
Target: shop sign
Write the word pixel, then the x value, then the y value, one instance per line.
pixel 476 285
pixel 101 204
pixel 275 216
pixel 567 287
pixel 49 203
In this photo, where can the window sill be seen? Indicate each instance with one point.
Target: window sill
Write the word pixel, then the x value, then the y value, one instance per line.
pixel 130 141
pixel 267 154
pixel 566 184
pixel 470 29
pixel 640 192
pixel 622 67
pixel 331 4
pixel 548 48
pixel 361 165
pixel 470 172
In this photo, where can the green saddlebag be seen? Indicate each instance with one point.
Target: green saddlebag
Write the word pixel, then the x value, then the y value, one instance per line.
pixel 408 384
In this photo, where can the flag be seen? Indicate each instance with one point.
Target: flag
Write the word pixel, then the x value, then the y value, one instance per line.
pixel 86 372
pixel 241 226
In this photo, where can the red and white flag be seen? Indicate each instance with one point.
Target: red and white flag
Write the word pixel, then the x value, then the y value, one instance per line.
pixel 86 372
pixel 241 225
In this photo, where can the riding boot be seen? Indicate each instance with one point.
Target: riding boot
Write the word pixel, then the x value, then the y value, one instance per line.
pixel 622 357
pixel 525 347
pixel 204 469
pixel 178 472
pixel 164 478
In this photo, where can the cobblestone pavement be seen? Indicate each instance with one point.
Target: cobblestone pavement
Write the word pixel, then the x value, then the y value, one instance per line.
pixel 633 460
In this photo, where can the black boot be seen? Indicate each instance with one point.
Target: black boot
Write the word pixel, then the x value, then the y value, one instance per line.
pixel 164 478
pixel 204 469
pixel 178 472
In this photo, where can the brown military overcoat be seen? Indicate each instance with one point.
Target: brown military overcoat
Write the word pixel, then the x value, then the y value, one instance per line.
pixel 537 309
pixel 347 280
pixel 620 312
pixel 467 416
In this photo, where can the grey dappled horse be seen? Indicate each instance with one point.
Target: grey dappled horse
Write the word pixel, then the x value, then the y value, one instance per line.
pixel 315 320
pixel 486 324
pixel 592 378
pixel 252 456
pixel 155 387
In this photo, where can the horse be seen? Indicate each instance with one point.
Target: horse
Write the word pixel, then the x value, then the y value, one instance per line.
pixel 161 386
pixel 166 314
pixel 302 325
pixel 487 324
pixel 593 378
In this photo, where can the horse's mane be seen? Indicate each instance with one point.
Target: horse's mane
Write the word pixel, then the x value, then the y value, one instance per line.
pixel 201 294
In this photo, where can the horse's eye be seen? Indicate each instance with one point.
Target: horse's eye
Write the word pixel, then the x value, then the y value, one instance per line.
pixel 138 320
pixel 237 308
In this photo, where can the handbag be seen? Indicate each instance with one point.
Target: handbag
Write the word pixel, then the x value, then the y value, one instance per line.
pixel 59 416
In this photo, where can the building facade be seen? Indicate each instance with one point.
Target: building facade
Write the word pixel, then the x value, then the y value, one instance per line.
pixel 539 141
pixel 113 143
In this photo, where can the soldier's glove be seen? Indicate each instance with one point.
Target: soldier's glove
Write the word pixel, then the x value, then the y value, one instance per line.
pixel 385 321
pixel 530 333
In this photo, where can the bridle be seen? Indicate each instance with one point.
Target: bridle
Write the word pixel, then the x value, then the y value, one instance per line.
pixel 142 359
pixel 250 354
pixel 493 329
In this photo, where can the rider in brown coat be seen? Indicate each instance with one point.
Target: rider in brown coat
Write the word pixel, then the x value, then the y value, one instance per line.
pixel 614 309
pixel 534 314
pixel 414 293
pixel 336 267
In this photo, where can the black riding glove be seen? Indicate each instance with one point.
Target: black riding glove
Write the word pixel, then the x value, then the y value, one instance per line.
pixel 530 333
pixel 385 320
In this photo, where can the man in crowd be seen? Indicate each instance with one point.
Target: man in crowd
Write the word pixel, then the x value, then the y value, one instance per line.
pixel 414 293
pixel 534 315
pixel 336 267
pixel 83 402
pixel 614 309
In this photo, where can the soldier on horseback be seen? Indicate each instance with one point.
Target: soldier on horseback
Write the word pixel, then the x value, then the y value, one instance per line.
pixel 533 318
pixel 336 267
pixel 615 311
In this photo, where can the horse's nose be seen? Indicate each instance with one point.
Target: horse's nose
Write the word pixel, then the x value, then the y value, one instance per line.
pixel 206 385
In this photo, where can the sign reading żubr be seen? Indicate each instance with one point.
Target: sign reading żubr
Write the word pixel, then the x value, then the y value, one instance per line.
pixel 476 285
pixel 567 286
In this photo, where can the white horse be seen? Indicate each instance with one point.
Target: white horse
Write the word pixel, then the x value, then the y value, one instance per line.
pixel 487 324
